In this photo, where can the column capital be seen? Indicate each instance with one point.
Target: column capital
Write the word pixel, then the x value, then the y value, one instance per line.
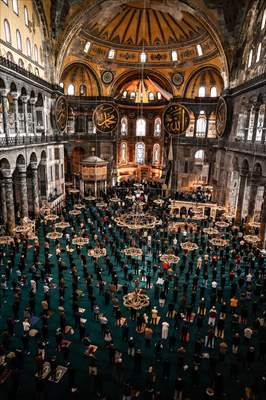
pixel 7 174
pixel 33 100
pixel 3 92
pixel 34 165
pixel 15 95
pixel 22 169
pixel 24 98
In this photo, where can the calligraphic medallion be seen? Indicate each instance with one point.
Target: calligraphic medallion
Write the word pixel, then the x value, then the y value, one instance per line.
pixel 105 118
pixel 61 113
pixel 221 116
pixel 175 119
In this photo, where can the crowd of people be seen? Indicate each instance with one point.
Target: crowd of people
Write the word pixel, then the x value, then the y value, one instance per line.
pixel 65 329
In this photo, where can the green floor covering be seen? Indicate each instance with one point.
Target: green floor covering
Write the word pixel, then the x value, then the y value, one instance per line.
pixel 111 384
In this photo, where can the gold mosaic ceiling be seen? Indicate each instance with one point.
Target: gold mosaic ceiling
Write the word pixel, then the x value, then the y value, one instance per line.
pixel 135 25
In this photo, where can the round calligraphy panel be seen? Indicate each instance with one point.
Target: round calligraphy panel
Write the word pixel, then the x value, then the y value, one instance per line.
pixel 175 119
pixel 105 118
pixel 61 113
pixel 221 116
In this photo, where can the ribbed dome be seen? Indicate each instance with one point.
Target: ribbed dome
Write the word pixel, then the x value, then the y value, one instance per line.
pixel 132 25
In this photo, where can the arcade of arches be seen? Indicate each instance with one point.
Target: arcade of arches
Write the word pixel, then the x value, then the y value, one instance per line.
pixel 64 64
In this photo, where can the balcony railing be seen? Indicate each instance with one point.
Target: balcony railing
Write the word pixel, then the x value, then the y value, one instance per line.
pixel 249 147
pixel 28 140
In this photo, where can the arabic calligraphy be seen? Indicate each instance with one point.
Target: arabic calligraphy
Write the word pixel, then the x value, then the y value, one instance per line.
pixel 221 116
pixel 105 118
pixel 61 113
pixel 176 119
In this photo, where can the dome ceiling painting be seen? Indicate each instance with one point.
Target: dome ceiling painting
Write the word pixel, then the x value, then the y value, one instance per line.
pixel 149 24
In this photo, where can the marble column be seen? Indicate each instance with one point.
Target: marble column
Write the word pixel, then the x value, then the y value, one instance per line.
pixel 35 189
pixel 3 201
pixel 23 191
pixel 24 99
pixel 9 199
pixel 240 201
pixel 15 96
pixel 196 116
pixel 3 95
pixel 252 201
pixel 263 220
pixel 33 114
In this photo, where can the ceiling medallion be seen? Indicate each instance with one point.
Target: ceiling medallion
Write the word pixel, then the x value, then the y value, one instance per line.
pixel 221 116
pixel 61 113
pixel 176 119
pixel 177 78
pixel 105 118
pixel 107 77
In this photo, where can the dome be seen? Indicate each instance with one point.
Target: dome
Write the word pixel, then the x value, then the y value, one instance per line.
pixel 131 25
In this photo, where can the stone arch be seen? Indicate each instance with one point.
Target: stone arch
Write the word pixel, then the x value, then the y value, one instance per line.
pixel 2 84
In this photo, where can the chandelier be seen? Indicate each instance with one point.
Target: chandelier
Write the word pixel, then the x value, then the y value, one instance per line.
pixel 252 239
pixel 51 217
pixel 169 258
pixel 80 241
pixel 132 252
pixel 27 228
pixel 222 224
pixel 211 231
pixel 136 220
pixel 54 235
pixel 74 212
pixel 158 202
pixel 189 246
pixel 79 206
pixel 62 225
pixel 6 240
pixel 137 299
pixel 97 252
pixel 90 198
pixel 218 242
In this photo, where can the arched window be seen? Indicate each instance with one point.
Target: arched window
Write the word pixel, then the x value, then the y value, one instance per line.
pixel 19 41
pixel 199 157
pixel 71 90
pixel 7 31
pixel 37 72
pixel 141 127
pixel 28 45
pixel 258 52
pixel 151 96
pixel 174 55
pixel 15 6
pixel 132 95
pixel 156 154
pixel 123 153
pixel 202 91
pixel 61 84
pixel 201 125
pixel 260 124
pixel 263 22
pixel 159 96
pixel 26 16
pixel 83 90
pixel 87 47
pixel 30 68
pixel 213 91
pixel 250 57
pixel 9 56
pixel 111 54
pixel 20 63
pixel 251 123
pixel 140 153
pixel 36 54
pixel 124 126
pixel 124 95
pixel 199 50
pixel 143 57
pixel 157 126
